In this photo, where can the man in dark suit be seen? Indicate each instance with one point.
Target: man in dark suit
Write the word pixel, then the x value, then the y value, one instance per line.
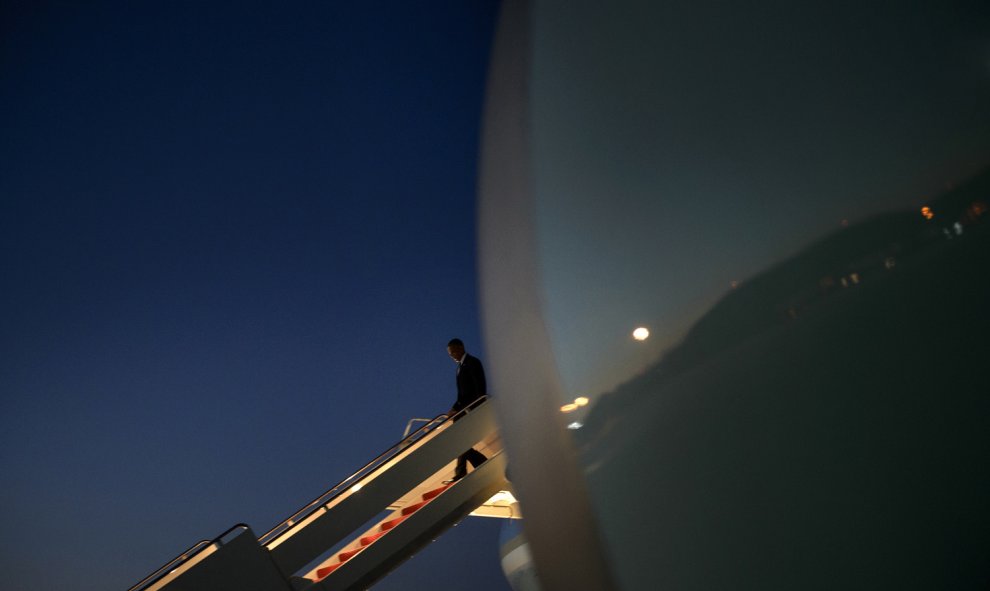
pixel 470 387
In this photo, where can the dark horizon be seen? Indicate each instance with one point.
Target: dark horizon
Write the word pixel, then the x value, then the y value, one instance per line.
pixel 808 283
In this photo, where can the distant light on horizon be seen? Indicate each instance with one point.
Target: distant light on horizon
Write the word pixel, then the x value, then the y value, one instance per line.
pixel 641 334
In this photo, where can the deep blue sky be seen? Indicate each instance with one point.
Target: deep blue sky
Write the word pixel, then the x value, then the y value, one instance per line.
pixel 234 240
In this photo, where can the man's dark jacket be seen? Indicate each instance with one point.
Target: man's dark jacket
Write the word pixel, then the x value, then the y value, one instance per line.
pixel 470 382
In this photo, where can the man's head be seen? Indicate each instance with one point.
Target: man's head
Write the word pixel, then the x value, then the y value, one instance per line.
pixel 455 348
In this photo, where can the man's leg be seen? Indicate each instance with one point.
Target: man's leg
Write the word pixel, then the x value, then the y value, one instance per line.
pixel 461 470
pixel 472 455
pixel 475 457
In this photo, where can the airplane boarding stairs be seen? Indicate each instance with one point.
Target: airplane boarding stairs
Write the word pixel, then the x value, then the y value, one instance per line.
pixel 362 528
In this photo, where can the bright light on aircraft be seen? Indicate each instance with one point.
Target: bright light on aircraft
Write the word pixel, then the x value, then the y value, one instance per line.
pixel 502 496
pixel 641 333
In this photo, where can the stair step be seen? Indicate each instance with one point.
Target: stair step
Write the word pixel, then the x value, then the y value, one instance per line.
pixel 326 570
pixel 433 493
pixel 392 523
pixel 369 539
pixel 384 527
pixel 412 508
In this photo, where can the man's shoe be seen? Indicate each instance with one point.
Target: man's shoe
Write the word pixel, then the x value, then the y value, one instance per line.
pixel 455 478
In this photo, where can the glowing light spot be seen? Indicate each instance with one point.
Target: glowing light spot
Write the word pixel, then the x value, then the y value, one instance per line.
pixel 356 487
pixel 927 212
pixel 575 425
pixel 641 333
pixel 581 400
pixel 568 408
pixel 502 496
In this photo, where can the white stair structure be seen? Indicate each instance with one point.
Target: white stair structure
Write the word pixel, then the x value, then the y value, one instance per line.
pixel 329 544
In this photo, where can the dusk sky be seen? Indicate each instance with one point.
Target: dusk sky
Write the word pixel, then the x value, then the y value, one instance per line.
pixel 234 241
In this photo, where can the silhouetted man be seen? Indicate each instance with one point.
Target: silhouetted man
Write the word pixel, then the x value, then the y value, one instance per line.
pixel 470 387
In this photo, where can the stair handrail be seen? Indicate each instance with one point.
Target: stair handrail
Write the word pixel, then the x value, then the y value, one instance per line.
pixel 292 521
pixel 198 548
pixel 335 491
pixel 184 557
pixel 411 423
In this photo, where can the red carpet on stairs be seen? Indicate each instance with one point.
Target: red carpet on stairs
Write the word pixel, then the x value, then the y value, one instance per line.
pixel 433 493
pixel 392 523
pixel 412 508
pixel 384 527
pixel 326 570
pixel 366 540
